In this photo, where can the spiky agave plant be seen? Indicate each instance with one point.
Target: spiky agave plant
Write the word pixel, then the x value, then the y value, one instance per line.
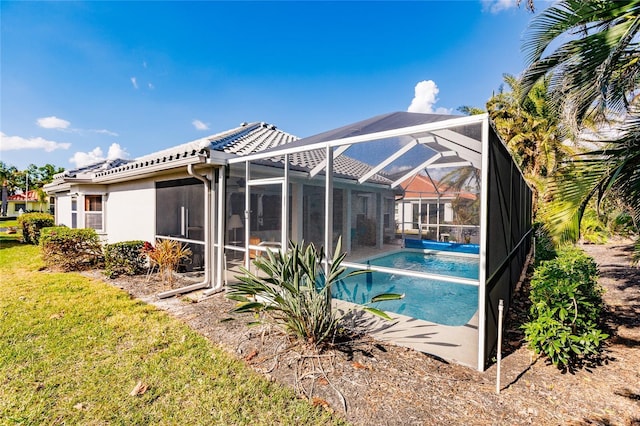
pixel 291 289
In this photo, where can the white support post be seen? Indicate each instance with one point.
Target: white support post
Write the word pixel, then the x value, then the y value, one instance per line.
pixel 499 354
pixel 247 214
pixel 380 219
pixel 420 215
pixel 328 207
pixel 221 209
pixel 285 205
pixel 484 222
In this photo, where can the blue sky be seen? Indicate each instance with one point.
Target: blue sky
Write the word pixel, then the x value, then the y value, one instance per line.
pixel 83 81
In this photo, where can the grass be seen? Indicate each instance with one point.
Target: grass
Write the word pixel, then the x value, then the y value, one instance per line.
pixel 72 349
pixel 8 223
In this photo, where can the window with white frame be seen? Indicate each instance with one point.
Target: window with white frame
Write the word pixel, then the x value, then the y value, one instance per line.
pixel 93 212
pixel 74 212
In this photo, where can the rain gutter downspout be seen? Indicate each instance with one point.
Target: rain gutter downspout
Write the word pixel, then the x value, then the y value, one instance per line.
pixel 206 283
pixel 217 284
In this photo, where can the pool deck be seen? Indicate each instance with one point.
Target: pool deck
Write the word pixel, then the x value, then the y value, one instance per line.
pixel 458 344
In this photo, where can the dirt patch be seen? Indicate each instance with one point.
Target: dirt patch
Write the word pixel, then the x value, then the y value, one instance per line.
pixel 368 382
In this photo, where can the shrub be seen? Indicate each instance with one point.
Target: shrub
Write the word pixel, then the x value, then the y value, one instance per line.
pixel 292 291
pixel 622 224
pixel 544 247
pixel 32 224
pixel 70 249
pixel 566 307
pixel 124 258
pixel 592 230
pixel 167 256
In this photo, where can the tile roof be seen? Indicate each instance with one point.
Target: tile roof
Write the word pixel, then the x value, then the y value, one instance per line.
pixel 245 139
pixel 343 166
pixel 31 196
pixel 421 186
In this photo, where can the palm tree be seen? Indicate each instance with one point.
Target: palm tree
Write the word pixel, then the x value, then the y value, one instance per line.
pixel 594 75
pixel 613 169
pixel 596 71
pixel 531 130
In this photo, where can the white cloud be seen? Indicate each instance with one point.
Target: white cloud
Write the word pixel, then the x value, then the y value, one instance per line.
pixel 81 159
pixel 116 151
pixel 425 97
pixel 52 123
pixel 496 6
pixel 199 125
pixel 134 81
pixel 105 132
pixel 14 143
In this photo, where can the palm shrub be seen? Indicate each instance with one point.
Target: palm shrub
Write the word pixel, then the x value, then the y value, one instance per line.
pixel 167 256
pixel 566 308
pixel 291 289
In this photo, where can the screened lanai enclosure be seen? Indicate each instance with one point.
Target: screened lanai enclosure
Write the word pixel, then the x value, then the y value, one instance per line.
pixel 431 206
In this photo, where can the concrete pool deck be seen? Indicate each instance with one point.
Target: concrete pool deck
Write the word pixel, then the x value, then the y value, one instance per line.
pixel 458 344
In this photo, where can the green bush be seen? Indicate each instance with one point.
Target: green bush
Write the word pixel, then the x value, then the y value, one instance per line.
pixel 566 307
pixel 32 224
pixel 622 224
pixel 124 258
pixel 544 247
pixel 292 291
pixel 592 230
pixel 70 249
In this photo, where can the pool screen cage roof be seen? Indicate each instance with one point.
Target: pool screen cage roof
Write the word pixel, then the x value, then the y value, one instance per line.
pixel 389 179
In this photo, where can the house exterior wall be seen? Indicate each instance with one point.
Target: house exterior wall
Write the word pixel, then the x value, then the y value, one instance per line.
pixel 13 207
pixel 63 209
pixel 130 211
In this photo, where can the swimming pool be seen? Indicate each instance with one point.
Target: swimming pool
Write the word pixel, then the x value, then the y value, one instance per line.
pixel 433 300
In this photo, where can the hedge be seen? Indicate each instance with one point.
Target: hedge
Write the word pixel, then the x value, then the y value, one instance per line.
pixel 70 249
pixel 32 224
pixel 124 258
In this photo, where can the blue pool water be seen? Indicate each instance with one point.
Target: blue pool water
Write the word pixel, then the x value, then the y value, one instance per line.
pixel 431 300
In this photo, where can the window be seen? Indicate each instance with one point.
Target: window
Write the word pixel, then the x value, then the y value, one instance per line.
pixel 74 212
pixel 93 212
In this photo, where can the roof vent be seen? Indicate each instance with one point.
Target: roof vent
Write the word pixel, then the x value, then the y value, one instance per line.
pixel 243 124
pixel 263 124
pixel 272 127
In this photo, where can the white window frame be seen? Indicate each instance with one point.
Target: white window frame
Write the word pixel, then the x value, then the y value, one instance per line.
pixel 74 211
pixel 101 212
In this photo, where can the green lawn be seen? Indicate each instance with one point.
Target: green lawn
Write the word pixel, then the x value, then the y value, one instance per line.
pixel 72 349
pixel 8 223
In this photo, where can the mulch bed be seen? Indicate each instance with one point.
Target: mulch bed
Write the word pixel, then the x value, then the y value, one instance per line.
pixel 369 382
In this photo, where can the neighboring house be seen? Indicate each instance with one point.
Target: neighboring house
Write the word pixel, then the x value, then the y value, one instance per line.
pixel 435 211
pixel 19 203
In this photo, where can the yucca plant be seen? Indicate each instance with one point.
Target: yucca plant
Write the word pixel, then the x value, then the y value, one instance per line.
pixel 166 256
pixel 291 289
